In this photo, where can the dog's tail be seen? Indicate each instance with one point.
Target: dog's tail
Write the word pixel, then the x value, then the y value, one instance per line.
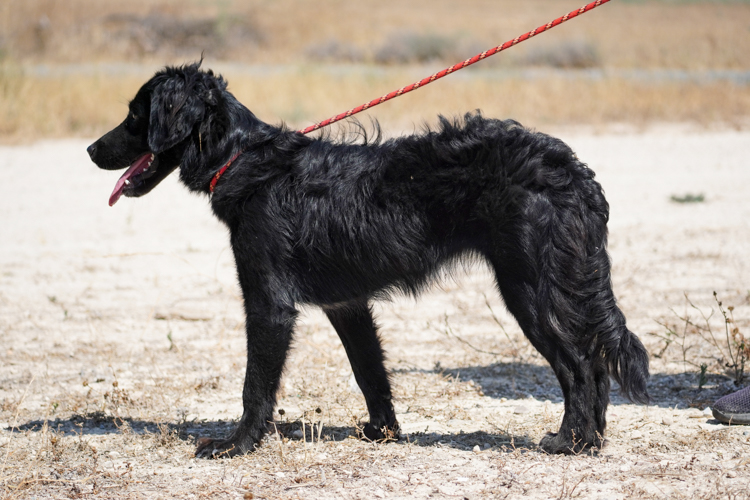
pixel 627 361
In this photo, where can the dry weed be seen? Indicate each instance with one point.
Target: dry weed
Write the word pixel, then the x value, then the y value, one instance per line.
pixel 701 346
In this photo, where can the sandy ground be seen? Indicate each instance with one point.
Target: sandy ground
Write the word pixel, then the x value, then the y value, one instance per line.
pixel 122 342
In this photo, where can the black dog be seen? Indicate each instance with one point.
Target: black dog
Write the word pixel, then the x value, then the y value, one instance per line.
pixel 337 224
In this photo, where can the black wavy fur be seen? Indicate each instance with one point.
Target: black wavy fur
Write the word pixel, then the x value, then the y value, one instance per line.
pixel 337 224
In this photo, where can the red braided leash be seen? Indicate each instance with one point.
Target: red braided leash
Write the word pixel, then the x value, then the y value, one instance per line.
pixel 461 65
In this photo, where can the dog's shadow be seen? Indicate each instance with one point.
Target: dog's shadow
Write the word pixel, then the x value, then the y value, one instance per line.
pixel 97 423
pixel 520 380
pixel 514 380
pixel 499 380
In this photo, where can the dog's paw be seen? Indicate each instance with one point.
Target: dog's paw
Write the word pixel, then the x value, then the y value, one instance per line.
pixel 383 434
pixel 228 448
pixel 555 444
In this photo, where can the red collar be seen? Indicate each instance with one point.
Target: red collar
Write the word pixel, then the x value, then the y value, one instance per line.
pixel 223 169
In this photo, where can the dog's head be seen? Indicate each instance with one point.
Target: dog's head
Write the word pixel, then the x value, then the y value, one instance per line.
pixel 164 119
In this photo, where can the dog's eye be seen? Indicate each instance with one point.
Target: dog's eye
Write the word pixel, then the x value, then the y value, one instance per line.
pixel 131 122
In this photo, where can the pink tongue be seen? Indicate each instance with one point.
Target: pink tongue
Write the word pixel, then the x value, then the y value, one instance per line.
pixel 136 168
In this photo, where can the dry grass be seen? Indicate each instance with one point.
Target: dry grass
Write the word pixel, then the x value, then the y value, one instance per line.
pixel 638 34
pixel 621 36
pixel 32 107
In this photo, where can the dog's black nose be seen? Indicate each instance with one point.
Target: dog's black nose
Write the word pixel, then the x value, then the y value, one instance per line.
pixel 92 150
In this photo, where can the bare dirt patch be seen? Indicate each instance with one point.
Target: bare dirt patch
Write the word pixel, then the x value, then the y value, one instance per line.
pixel 122 342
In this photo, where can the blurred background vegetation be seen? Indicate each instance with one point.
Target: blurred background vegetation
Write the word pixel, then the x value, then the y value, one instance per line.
pixel 68 68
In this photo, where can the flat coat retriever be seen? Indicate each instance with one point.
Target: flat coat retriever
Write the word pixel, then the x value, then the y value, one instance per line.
pixel 339 223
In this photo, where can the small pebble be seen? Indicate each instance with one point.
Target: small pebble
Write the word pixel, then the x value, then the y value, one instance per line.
pixel 667 420
pixel 636 435
pixel 708 413
pixel 520 410
pixel 476 449
pixel 297 434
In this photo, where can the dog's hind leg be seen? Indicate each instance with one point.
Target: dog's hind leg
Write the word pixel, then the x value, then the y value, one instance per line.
pixel 357 330
pixel 553 272
pixel 580 370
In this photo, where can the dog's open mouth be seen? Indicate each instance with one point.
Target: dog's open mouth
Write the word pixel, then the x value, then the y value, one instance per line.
pixel 141 169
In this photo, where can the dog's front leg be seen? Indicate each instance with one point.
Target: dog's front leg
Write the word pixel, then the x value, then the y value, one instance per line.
pixel 269 328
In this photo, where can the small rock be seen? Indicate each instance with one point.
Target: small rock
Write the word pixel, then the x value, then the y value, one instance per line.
pixel 183 314
pixel 298 434
pixel 731 474
pixel 476 449
pixel 519 410
pixel 487 446
pixel 667 420
pixel 114 454
pixel 636 435
pixel 708 413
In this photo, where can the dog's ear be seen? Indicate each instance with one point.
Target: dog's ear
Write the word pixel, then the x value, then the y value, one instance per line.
pixel 175 109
